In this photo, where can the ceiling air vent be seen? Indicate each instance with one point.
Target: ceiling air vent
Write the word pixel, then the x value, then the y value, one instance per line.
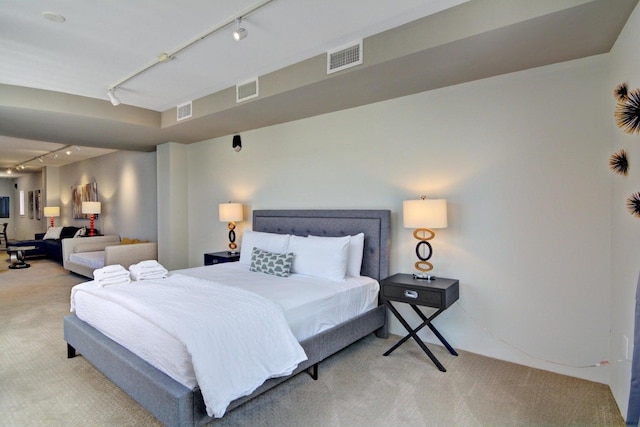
pixel 246 90
pixel 344 57
pixel 184 111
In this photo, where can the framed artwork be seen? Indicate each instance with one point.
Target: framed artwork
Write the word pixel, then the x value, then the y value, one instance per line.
pixel 30 203
pixel 38 204
pixel 83 193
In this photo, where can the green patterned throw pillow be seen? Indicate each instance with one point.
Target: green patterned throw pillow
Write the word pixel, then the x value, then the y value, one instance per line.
pixel 271 263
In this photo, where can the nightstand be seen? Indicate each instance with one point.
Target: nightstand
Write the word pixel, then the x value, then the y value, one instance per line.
pixel 438 293
pixel 220 257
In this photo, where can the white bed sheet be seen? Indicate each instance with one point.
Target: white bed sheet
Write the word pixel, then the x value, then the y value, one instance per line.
pixel 311 305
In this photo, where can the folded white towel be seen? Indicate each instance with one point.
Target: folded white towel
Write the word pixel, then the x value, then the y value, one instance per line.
pixel 110 271
pixel 150 269
pixel 111 268
pixel 150 263
pixel 114 281
pixel 160 273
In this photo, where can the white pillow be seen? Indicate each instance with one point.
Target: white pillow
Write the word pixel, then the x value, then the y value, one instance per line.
pixel 356 249
pixel 80 232
pixel 52 233
pixel 326 258
pixel 269 242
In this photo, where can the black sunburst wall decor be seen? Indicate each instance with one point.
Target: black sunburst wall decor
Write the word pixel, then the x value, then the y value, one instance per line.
pixel 633 204
pixel 619 163
pixel 627 116
pixel 628 109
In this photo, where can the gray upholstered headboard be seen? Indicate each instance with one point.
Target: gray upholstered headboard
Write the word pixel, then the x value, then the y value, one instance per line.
pixel 375 224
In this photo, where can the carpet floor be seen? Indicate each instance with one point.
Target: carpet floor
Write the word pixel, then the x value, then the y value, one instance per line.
pixel 39 386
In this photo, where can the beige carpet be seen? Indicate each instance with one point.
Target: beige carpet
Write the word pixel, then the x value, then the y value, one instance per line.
pixel 39 386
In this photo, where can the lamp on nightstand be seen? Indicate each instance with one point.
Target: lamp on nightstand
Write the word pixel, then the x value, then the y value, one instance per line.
pixel 230 213
pixel 423 215
pixel 52 212
pixel 91 208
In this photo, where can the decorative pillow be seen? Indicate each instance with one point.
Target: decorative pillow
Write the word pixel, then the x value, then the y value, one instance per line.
pixel 326 258
pixel 127 241
pixel 271 263
pixel 68 232
pixel 356 249
pixel 53 233
pixel 270 242
pixel 81 231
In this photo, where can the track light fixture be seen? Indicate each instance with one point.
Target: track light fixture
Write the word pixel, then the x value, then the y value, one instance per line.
pixel 111 93
pixel 55 154
pixel 239 33
pixel 237 143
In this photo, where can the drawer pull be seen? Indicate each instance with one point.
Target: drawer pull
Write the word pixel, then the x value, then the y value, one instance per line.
pixel 411 294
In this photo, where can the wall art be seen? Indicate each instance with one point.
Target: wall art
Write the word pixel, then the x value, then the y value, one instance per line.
pixel 83 193
pixel 30 203
pixel 37 204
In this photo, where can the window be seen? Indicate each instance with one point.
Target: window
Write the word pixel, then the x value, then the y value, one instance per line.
pixel 4 207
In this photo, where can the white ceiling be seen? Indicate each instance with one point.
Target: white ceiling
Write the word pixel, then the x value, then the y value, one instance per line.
pixel 54 76
pixel 102 42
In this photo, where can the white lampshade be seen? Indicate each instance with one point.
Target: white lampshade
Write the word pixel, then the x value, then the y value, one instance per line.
pixel 91 207
pixel 52 211
pixel 230 212
pixel 425 213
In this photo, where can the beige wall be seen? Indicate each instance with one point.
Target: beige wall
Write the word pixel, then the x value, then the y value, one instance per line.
pixel 522 161
pixel 625 256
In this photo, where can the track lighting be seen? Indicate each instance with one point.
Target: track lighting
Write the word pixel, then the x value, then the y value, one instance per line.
pixel 111 93
pixel 239 33
pixel 55 154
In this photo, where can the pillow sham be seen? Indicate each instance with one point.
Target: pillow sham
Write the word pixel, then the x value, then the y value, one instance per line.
pixel 271 263
pixel 53 233
pixel 270 242
pixel 356 250
pixel 326 258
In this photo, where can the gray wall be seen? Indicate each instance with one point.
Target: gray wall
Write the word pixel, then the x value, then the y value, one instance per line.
pixel 126 188
pixel 21 227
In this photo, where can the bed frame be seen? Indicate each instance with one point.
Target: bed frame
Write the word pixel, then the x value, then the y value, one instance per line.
pixel 176 405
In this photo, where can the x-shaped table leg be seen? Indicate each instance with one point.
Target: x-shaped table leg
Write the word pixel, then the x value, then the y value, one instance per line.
pixel 413 333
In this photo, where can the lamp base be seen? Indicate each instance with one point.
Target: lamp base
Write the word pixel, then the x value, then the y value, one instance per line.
pixel 423 276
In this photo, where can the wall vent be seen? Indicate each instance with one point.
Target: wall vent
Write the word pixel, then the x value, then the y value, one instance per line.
pixel 344 57
pixel 184 111
pixel 247 90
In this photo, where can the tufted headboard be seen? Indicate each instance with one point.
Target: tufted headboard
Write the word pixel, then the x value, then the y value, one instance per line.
pixel 375 224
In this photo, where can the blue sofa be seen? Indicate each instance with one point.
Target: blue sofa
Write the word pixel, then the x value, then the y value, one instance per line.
pixel 49 248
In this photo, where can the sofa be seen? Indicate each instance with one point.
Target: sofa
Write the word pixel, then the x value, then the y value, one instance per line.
pixel 83 256
pixel 49 244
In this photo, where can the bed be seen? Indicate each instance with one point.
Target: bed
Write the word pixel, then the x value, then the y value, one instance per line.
pixel 177 405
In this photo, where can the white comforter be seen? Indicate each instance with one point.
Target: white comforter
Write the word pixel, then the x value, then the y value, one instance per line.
pixel 236 339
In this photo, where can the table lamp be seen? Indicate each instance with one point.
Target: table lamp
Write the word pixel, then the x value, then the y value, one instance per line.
pixel 91 208
pixel 230 213
pixel 51 212
pixel 423 215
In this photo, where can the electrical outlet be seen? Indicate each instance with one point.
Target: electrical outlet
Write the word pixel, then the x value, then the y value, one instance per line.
pixel 625 347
